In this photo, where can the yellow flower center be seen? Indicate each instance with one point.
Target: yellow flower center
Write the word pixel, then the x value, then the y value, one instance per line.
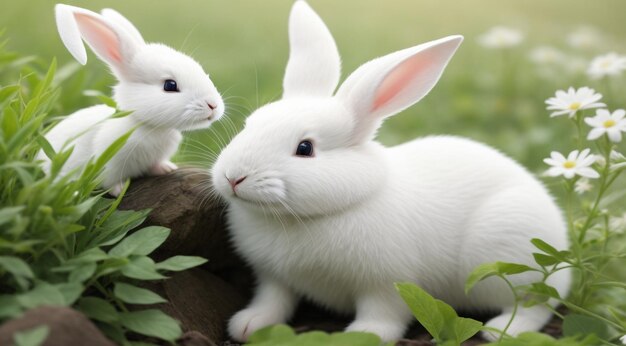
pixel 574 106
pixel 605 64
pixel 569 164
pixel 609 123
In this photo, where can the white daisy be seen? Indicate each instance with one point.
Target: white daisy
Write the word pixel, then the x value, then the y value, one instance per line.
pixel 613 124
pixel 573 100
pixel 575 164
pixel 501 37
pixel 583 185
pixel 584 37
pixel 611 64
pixel 546 55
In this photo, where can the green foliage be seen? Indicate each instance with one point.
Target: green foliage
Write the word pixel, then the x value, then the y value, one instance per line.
pixel 439 319
pixel 62 243
pixel 282 335
pixel 539 339
pixel 32 337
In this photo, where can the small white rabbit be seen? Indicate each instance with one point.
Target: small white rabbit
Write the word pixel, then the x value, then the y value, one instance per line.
pixel 166 90
pixel 323 212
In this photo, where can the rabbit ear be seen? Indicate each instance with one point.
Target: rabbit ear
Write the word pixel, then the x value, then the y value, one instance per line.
pixel 111 43
pixel 387 85
pixel 120 20
pixel 314 65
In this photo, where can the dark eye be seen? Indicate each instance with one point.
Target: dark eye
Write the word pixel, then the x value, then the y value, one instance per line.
pixel 305 148
pixel 170 86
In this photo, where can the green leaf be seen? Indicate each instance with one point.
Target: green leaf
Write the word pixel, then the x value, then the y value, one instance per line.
pixel 545 247
pixel 575 324
pixel 18 268
pixel 32 337
pixel 142 242
pixel 423 306
pixel 480 273
pixel 88 256
pixel 9 213
pixel 152 322
pixel 83 272
pixel 486 270
pixel 545 260
pixel 135 295
pixel 141 268
pixel 42 294
pixel 277 333
pixel 9 307
pixel 354 339
pixel 46 147
pixel 465 328
pixel 179 263
pixel 71 291
pixel 98 309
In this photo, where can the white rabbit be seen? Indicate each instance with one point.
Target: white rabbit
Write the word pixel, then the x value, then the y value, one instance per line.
pixel 166 90
pixel 323 212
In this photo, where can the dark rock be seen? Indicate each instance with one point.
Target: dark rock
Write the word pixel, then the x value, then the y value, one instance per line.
pixel 200 300
pixel 66 327
pixel 194 338
pixel 182 202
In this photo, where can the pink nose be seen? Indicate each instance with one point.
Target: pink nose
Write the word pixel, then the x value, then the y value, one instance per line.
pixel 211 105
pixel 234 182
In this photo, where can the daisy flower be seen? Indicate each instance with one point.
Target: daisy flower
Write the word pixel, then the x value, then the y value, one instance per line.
pixel 613 124
pixel 573 100
pixel 576 163
pixel 611 64
pixel 583 185
pixel 623 340
pixel 501 37
pixel 546 55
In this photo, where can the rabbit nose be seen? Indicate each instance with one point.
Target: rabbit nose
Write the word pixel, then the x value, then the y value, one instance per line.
pixel 234 182
pixel 212 106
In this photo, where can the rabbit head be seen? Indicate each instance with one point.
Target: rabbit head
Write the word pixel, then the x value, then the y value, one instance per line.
pixel 312 153
pixel 163 87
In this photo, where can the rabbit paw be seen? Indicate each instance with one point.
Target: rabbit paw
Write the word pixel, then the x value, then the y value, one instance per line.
pixel 163 167
pixel 526 320
pixel 386 331
pixel 116 189
pixel 249 320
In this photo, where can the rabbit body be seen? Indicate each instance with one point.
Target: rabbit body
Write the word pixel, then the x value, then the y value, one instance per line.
pixel 89 131
pixel 444 205
pixel 322 211
pixel 166 91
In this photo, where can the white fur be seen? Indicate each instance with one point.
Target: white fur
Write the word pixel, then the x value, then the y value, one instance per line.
pixel 341 227
pixel 141 69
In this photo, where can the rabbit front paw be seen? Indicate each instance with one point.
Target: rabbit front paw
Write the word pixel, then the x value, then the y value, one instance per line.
pixel 163 167
pixel 249 320
pixel 386 331
pixel 116 189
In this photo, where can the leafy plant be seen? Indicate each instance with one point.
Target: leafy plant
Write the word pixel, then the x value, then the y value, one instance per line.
pixel 595 245
pixel 282 335
pixel 62 243
pixel 437 317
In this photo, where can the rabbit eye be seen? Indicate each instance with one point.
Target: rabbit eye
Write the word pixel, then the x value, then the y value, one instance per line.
pixel 305 148
pixel 170 86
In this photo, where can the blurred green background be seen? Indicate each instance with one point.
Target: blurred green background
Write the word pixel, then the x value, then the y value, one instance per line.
pixel 495 96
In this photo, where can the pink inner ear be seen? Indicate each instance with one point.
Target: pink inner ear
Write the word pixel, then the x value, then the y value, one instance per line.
pixel 398 79
pixel 101 38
